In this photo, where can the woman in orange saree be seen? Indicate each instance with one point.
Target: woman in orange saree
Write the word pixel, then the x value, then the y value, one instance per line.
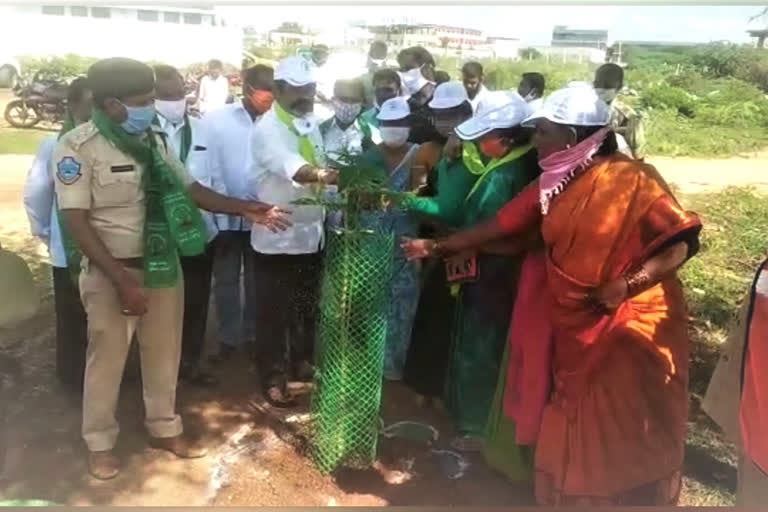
pixel 613 430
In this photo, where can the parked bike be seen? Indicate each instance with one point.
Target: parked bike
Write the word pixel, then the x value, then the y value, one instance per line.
pixel 39 100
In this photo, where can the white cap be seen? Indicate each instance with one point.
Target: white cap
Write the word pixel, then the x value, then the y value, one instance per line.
pixel 394 109
pixel 413 81
pixel 576 106
pixel 492 100
pixel 449 95
pixel 507 116
pixel 297 71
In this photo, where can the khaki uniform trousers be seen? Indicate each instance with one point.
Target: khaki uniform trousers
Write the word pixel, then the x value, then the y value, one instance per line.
pixel 109 338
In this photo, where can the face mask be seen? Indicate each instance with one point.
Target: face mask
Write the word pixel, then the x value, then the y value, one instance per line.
pixel 305 124
pixel 139 119
pixel 346 113
pixel 494 147
pixel 261 100
pixel 376 63
pixel 302 107
pixel 607 95
pixel 172 110
pixel 394 136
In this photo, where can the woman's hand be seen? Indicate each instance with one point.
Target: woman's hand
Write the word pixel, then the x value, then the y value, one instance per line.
pixel 418 248
pixel 610 296
pixel 271 217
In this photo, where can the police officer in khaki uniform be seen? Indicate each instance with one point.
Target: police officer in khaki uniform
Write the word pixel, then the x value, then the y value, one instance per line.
pixel 107 189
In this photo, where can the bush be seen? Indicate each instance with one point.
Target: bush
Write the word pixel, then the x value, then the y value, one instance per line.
pixel 64 68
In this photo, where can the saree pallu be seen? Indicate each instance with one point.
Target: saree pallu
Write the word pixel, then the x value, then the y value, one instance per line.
pixel 613 432
pixel 479 336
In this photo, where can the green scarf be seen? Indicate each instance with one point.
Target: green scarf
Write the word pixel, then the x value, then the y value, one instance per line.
pixel 495 163
pixel 173 223
pixel 186 138
pixel 306 148
pixel 72 254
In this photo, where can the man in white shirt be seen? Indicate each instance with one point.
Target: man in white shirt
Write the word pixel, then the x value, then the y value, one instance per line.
pixel 346 132
pixel 185 139
pixel 288 164
pixel 473 77
pixel 227 133
pixel 214 88
pixel 42 210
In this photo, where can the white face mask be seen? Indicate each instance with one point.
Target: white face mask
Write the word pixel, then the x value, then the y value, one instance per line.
pixel 173 111
pixel 607 95
pixel 394 136
pixel 305 124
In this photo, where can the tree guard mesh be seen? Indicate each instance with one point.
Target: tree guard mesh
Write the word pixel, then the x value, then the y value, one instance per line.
pixel 352 333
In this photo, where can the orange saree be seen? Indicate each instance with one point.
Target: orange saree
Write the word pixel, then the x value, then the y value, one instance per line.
pixel 613 432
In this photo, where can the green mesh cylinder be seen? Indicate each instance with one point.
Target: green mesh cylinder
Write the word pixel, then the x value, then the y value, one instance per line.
pixel 352 333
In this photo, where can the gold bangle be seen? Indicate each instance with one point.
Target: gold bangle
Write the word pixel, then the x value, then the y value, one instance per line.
pixel 637 281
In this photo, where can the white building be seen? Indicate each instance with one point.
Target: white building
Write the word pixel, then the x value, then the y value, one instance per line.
pixel 505 47
pixel 173 35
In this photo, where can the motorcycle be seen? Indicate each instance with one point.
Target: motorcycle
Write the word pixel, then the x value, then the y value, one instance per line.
pixel 40 100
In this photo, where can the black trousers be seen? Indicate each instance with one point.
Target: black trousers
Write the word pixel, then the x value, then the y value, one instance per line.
pixel 71 330
pixel 197 293
pixel 288 288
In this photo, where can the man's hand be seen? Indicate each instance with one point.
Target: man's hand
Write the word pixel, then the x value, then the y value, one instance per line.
pixel 133 297
pixel 271 217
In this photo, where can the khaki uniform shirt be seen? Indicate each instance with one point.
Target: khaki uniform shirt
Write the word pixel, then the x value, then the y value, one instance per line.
pixel 92 174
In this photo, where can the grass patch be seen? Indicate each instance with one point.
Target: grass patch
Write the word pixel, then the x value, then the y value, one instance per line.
pixel 733 243
pixel 20 142
pixel 671 134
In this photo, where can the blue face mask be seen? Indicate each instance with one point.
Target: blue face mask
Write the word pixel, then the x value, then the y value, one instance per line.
pixel 139 119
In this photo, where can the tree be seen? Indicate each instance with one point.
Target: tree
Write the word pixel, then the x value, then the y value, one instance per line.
pixel 530 54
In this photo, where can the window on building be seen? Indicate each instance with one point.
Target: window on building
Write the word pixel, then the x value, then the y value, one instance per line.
pixel 101 12
pixel 53 10
pixel 145 15
pixel 172 17
pixel 192 18
pixel 79 10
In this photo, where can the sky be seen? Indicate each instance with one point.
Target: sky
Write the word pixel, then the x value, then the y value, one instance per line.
pixel 532 24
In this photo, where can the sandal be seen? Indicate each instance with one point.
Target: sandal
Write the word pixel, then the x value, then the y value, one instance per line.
pixel 276 394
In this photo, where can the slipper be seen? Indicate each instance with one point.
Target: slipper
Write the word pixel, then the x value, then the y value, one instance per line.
pixel 275 396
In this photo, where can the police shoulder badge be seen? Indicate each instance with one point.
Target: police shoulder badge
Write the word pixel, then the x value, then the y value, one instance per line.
pixel 68 170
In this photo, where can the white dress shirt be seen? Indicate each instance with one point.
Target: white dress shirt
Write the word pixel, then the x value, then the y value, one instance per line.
pixel 197 162
pixel 40 202
pixel 336 140
pixel 227 132
pixel 481 94
pixel 276 159
pixel 213 93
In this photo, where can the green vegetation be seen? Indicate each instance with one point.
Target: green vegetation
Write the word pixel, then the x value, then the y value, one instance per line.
pixel 733 244
pixel 704 101
pixel 20 142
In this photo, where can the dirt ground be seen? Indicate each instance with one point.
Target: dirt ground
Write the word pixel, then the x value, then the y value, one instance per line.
pixel 256 456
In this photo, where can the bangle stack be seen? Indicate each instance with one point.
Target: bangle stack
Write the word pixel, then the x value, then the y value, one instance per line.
pixel 637 280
